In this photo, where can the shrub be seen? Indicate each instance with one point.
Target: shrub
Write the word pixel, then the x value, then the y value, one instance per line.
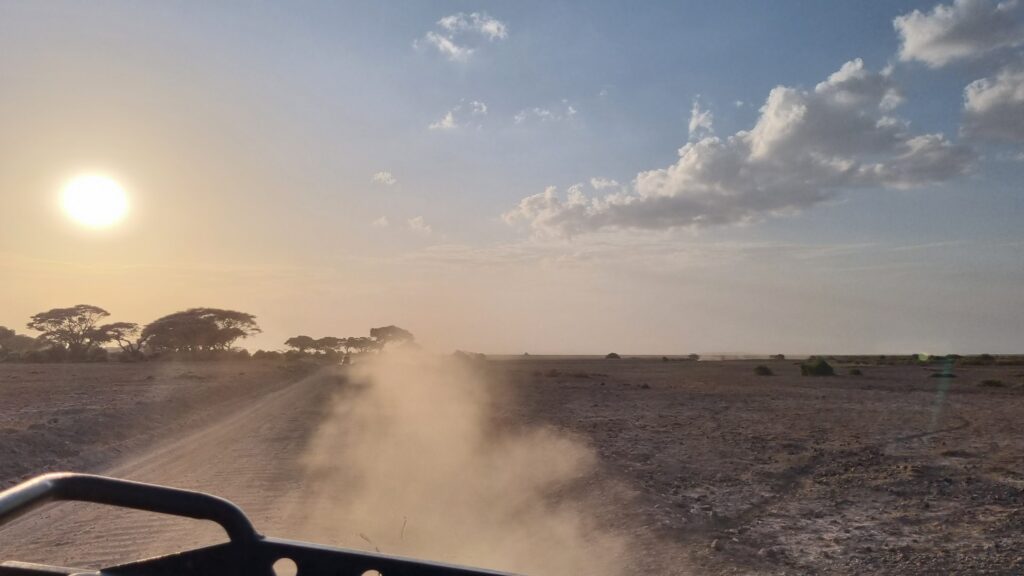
pixel 816 366
pixel 694 357
pixel 778 357
pixel 762 370
pixel 856 372
pixel 993 383
pixel 266 355
pixel 942 375
pixel 613 356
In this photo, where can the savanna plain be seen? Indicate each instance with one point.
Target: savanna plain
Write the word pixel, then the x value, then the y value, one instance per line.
pixel 543 465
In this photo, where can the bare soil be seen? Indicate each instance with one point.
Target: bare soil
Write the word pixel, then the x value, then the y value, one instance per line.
pixel 892 472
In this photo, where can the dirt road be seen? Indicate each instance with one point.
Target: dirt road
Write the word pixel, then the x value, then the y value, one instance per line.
pixel 249 455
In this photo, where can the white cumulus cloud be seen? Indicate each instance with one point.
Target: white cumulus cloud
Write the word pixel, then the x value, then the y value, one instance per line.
pixel 805 147
pixel 994 107
pixel 962 30
pixel 381 222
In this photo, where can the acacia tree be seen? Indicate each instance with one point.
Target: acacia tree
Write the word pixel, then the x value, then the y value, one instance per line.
pixel 359 344
pixel 199 330
pixel 386 335
pixel 126 334
pixel 329 344
pixel 73 329
pixel 301 343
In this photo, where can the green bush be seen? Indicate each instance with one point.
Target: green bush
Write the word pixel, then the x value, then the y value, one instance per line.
pixel 762 370
pixel 613 356
pixel 856 372
pixel 816 366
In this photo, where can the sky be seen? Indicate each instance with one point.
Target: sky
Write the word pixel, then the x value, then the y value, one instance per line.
pixel 530 176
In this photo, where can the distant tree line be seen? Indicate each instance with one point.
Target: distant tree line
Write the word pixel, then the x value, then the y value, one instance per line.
pixel 331 346
pixel 79 334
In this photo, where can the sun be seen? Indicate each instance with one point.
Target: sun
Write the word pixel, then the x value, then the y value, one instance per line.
pixel 94 201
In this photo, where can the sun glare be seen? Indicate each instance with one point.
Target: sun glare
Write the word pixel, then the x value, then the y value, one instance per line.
pixel 94 201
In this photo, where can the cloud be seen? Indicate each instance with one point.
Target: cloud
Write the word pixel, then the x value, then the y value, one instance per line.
pixel 457 32
pixel 447 46
pixel 962 30
pixel 477 108
pixel 602 183
pixel 994 107
pixel 806 147
pixel 701 121
pixel 419 226
pixel 447 122
pixel 384 177
pixel 564 112
pixel 477 22
pixel 381 222
pixel 459 116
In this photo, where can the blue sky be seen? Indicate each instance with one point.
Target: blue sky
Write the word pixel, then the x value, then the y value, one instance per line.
pixel 335 157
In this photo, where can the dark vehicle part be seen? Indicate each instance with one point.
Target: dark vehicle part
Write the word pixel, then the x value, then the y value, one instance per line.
pixel 247 553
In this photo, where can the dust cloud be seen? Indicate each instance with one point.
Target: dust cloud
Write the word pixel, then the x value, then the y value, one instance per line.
pixel 411 461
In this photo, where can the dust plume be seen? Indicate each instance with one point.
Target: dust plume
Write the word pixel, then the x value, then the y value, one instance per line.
pixel 412 461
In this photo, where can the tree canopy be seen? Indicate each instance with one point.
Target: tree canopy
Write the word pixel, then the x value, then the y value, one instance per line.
pixel 125 334
pixel 199 330
pixel 301 343
pixel 73 329
pixel 386 335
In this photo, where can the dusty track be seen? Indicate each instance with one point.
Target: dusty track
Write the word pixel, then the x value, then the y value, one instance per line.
pixel 250 456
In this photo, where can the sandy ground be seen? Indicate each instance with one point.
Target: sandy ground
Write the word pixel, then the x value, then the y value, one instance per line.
pixel 893 472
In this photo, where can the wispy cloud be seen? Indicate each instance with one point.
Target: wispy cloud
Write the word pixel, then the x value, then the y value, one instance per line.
pixel 446 122
pixel 385 178
pixel 419 226
pixel 701 121
pixel 565 111
pixel 458 35
pixel 459 116
pixel 381 222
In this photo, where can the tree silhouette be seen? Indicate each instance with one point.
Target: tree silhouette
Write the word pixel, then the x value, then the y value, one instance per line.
pixel 329 344
pixel 386 335
pixel 360 344
pixel 73 329
pixel 199 330
pixel 126 334
pixel 301 343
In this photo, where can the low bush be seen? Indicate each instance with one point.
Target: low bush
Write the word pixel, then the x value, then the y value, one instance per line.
pixel 993 383
pixel 613 356
pixel 816 366
pixel 762 370
pixel 856 372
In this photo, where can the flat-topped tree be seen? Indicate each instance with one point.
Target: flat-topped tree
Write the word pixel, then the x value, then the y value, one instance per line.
pixel 387 335
pixel 328 344
pixel 301 343
pixel 73 329
pixel 199 330
pixel 125 334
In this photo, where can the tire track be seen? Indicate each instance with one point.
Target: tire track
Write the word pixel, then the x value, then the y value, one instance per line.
pixel 251 457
